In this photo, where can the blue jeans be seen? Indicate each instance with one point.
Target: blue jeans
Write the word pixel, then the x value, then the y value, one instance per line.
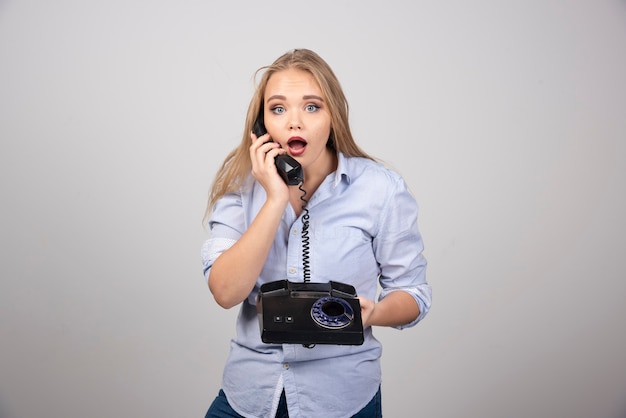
pixel 220 408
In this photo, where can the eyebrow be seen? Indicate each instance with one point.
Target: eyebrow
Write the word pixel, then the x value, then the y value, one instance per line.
pixel 305 97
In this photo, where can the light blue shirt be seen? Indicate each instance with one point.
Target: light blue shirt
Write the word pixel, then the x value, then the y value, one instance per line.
pixel 363 231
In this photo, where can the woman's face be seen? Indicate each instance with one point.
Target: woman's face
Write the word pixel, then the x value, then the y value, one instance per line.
pixel 297 117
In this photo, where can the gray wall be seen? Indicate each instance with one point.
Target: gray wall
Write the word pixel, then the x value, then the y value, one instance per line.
pixel 506 119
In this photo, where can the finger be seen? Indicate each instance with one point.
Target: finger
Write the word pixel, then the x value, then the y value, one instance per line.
pixel 268 146
pixel 262 152
pixel 254 137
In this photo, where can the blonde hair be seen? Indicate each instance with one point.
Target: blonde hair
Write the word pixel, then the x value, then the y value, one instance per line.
pixel 237 166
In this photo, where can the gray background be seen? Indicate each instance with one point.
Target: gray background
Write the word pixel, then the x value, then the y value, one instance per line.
pixel 505 117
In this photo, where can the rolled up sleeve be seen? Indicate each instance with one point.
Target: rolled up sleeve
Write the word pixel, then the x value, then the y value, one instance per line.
pixel 399 249
pixel 226 225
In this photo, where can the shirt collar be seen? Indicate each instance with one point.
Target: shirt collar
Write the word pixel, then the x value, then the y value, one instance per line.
pixel 342 170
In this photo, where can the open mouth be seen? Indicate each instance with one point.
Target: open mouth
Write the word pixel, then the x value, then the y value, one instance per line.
pixel 296 145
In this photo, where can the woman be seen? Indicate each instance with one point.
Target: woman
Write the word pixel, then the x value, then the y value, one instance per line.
pixel 361 229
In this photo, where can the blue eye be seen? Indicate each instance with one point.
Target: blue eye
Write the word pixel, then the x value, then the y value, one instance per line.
pixel 312 108
pixel 278 110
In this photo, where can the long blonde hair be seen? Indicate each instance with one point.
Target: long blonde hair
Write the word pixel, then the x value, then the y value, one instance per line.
pixel 237 166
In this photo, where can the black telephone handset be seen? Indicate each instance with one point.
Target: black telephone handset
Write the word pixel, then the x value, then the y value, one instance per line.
pixel 288 168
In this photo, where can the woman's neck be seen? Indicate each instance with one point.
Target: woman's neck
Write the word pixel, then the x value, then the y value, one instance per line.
pixel 315 174
pixel 313 177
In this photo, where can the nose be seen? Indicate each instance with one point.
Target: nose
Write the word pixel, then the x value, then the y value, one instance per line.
pixel 295 123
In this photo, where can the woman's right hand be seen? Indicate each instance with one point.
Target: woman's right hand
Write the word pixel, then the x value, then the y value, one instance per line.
pixel 262 153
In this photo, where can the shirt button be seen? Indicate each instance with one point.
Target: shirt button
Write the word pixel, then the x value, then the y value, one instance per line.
pixel 292 270
pixel 286 366
pixel 295 231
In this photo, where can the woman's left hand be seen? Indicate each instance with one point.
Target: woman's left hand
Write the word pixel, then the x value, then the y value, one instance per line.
pixel 367 308
pixel 397 308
